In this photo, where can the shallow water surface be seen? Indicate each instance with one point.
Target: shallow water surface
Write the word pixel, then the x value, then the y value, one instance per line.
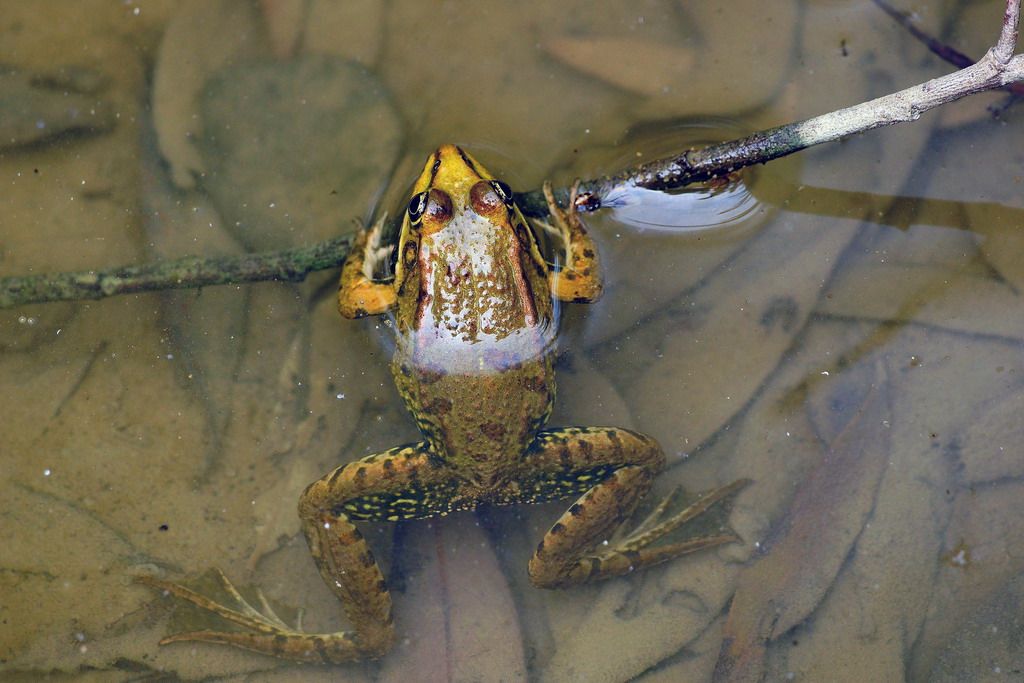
pixel 852 344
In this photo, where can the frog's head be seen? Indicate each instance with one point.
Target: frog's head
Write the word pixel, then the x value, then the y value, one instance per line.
pixel 456 191
pixel 453 182
pixel 468 263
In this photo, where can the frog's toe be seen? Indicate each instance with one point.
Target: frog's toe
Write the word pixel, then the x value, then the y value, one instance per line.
pixel 329 648
pixel 266 633
pixel 654 517
pixel 246 616
pixel 654 528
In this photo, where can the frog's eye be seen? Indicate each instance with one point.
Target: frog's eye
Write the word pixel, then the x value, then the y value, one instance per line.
pixel 417 205
pixel 504 191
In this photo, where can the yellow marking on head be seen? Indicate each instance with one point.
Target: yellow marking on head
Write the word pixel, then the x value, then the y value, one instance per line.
pixel 456 171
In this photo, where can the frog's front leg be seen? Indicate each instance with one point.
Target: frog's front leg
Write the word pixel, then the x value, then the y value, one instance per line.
pixel 613 468
pixel 403 483
pixel 580 279
pixel 358 294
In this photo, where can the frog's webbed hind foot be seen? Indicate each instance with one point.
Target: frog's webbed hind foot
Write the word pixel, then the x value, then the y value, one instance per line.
pixel 401 483
pixel 265 632
pixel 613 468
pixel 635 545
pixel 552 567
pixel 246 615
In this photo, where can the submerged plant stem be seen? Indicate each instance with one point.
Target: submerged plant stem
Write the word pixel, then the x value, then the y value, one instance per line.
pixel 290 265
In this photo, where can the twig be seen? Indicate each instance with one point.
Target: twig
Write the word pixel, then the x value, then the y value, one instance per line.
pixel 996 69
pixel 1003 51
pixel 944 51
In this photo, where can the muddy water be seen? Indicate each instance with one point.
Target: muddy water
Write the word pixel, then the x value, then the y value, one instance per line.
pixel 852 345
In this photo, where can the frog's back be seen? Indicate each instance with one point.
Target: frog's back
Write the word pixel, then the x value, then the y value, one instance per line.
pixel 473 358
pixel 478 423
pixel 475 318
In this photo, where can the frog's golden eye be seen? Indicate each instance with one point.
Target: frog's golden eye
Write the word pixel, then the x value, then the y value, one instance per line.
pixel 504 191
pixel 417 205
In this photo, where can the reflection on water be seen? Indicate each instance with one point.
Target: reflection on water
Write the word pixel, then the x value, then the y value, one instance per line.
pixel 732 206
pixel 724 207
pixel 853 346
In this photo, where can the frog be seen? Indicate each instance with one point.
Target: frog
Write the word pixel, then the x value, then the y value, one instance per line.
pixel 474 304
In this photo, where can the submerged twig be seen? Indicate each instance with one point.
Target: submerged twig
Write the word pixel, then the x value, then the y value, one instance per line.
pixel 291 265
pixel 998 68
pixel 947 52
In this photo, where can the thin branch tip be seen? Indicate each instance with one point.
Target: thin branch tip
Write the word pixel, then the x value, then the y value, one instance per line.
pixel 1004 48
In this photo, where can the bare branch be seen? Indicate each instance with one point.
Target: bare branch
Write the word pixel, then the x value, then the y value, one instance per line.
pixel 906 105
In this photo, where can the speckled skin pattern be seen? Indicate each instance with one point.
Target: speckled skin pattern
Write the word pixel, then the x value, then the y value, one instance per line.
pixel 474 306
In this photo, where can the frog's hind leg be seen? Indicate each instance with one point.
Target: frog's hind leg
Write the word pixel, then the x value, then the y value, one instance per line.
pixel 402 483
pixel 613 468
